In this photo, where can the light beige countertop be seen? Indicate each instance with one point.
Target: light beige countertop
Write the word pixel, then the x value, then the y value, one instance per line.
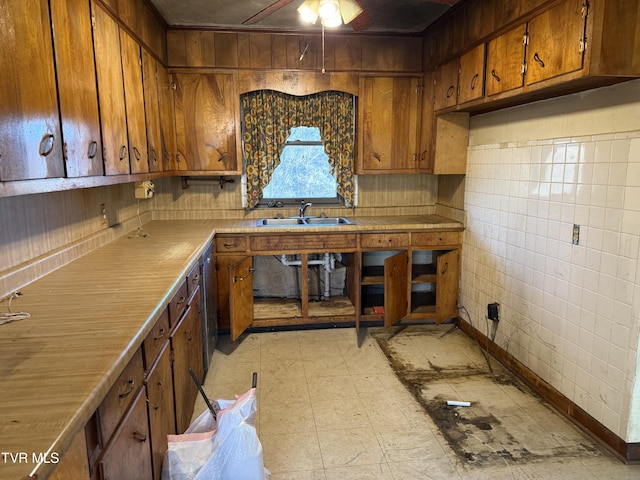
pixel 87 320
pixel 89 317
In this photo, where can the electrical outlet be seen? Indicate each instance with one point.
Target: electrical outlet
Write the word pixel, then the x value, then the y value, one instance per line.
pixel 104 221
pixel 493 311
pixel 576 234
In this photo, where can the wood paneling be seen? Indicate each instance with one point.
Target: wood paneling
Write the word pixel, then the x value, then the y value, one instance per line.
pixel 297 83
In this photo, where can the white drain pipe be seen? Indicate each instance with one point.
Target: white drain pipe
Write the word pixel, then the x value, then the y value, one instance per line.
pixel 328 261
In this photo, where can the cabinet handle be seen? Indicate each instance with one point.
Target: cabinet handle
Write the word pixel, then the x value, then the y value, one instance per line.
pixel 239 279
pixel 153 155
pixel 93 149
pixel 136 153
pixel 376 156
pixel 160 334
pixel 474 80
pixel 446 267
pixel 495 75
pixel 131 387
pixel 223 157
pixel 537 58
pixel 123 152
pixel 189 337
pixel 141 437
pixel 161 387
pixel 195 279
pixel 450 91
pixel 228 245
pixel 46 144
pixel 423 155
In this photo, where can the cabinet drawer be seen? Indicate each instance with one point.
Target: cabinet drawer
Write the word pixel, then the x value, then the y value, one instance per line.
pixel 120 396
pixel 306 243
pixel 435 239
pixel 231 244
pixel 156 338
pixel 375 240
pixel 193 279
pixel 177 304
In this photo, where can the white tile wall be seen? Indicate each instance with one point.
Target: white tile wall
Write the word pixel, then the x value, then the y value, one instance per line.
pixel 568 312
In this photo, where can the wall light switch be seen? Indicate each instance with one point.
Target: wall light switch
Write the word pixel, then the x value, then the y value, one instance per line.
pixel 576 234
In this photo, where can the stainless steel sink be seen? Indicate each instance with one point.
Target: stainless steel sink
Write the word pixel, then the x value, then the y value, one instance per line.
pixel 303 222
pixel 283 222
pixel 328 221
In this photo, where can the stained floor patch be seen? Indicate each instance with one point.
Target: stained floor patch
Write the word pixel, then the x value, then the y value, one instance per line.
pixel 506 422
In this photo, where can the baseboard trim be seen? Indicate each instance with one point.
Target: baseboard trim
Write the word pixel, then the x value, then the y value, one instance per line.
pixel 627 452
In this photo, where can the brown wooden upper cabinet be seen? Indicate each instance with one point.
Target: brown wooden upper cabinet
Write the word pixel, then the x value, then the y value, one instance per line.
pixel 77 90
pixel 389 113
pixel 471 79
pixel 446 85
pixel 505 61
pixel 152 112
pixel 134 103
pixel 113 116
pixel 206 106
pixel 168 120
pixel 30 133
pixel 556 41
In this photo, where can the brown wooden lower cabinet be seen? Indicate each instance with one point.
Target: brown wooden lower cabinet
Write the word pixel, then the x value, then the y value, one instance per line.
pixel 161 407
pixel 390 276
pixel 127 456
pixel 186 344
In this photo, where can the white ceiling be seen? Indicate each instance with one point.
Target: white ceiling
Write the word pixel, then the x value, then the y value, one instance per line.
pixel 392 16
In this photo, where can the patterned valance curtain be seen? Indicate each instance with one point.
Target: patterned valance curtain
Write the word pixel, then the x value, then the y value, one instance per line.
pixel 269 117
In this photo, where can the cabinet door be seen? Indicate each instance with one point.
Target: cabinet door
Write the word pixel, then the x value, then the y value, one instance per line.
pixel 448 278
pixel 128 454
pixel 446 85
pixel 555 42
pixel 168 121
pixel 134 103
pixel 240 296
pixel 186 343
pixel 426 150
pixel 390 109
pixel 206 108
pixel 152 111
pixel 77 90
pixel 30 133
pixel 113 117
pixel 162 420
pixel 505 59
pixel 471 80
pixel 395 288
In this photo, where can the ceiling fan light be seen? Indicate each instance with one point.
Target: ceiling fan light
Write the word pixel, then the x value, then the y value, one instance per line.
pixel 329 9
pixel 349 10
pixel 309 11
pixel 332 22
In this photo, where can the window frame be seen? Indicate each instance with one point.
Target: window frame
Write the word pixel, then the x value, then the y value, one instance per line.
pixel 335 201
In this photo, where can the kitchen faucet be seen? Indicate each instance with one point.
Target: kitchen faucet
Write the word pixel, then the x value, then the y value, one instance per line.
pixel 303 207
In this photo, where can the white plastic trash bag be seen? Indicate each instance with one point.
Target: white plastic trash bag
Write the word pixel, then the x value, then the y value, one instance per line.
pixel 232 451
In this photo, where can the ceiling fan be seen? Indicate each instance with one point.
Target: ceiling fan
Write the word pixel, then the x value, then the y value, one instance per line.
pixel 331 13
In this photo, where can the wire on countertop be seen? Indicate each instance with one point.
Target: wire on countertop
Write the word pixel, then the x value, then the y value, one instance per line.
pixel 10 316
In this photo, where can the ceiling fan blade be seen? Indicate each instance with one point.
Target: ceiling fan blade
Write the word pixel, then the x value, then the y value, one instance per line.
pixel 265 12
pixel 363 21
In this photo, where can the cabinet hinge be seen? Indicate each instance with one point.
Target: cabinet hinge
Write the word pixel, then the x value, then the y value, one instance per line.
pixel 585 9
pixel 93 22
pixel 582 46
pixel 525 39
pixel 523 68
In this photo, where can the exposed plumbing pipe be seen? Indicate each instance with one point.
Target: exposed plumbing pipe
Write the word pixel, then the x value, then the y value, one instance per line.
pixel 328 261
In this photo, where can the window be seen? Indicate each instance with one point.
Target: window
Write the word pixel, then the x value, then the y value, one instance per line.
pixel 303 173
